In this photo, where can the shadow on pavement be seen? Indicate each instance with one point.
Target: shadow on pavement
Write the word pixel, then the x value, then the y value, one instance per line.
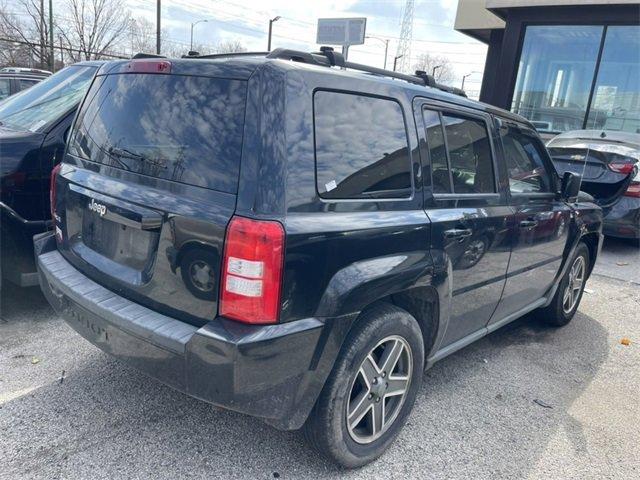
pixel 17 302
pixel 477 407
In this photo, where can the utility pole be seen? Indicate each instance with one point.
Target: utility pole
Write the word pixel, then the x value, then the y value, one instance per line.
pixel 274 19
pixel 61 50
pixel 158 27
pixel 53 60
pixel 132 27
pixel 42 37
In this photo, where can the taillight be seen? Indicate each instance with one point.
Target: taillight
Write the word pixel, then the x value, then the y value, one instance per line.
pixel 633 190
pixel 252 271
pixel 624 168
pixel 148 66
pixel 52 190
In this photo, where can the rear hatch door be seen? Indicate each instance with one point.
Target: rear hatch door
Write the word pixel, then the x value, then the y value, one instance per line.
pixel 149 185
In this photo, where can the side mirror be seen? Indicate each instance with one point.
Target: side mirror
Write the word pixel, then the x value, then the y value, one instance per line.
pixel 570 186
pixel 65 137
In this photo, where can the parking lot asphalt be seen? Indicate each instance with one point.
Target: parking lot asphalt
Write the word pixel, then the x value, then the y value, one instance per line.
pixel 524 402
pixel 620 258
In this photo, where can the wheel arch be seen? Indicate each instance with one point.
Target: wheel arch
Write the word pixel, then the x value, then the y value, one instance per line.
pixel 591 240
pixel 422 303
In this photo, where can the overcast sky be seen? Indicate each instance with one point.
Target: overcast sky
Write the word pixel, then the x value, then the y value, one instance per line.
pixel 247 21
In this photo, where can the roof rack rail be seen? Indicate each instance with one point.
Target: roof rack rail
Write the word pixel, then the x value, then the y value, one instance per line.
pixel 147 55
pixel 327 57
pixel 193 54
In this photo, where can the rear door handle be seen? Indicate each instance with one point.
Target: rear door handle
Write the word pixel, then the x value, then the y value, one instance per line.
pixel 529 223
pixel 458 233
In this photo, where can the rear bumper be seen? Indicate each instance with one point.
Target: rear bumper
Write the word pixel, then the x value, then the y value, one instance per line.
pixel 274 372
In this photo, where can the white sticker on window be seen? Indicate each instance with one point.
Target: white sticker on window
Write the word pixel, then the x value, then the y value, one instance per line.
pixel 332 185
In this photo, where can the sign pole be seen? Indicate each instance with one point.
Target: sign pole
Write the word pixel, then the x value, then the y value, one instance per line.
pixel 345 52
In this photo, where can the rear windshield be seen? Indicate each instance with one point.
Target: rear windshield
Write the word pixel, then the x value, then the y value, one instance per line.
pixel 182 128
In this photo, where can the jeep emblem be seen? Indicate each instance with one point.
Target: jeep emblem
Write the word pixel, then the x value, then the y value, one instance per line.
pixel 97 207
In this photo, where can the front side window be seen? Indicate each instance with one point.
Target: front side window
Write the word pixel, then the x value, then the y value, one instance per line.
pixel 361 147
pixel 555 75
pixel 523 157
pixel 616 98
pixel 469 154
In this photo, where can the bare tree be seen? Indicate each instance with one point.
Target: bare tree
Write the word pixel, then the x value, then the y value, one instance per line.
pixel 443 67
pixel 143 35
pixel 175 49
pixel 27 35
pixel 229 46
pixel 95 27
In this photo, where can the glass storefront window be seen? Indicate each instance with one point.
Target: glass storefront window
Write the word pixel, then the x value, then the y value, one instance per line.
pixel 555 75
pixel 616 97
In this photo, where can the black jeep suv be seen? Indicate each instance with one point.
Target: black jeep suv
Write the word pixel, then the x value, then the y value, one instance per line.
pixel 297 241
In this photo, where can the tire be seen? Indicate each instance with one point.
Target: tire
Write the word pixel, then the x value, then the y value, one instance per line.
pixel 558 313
pixel 326 429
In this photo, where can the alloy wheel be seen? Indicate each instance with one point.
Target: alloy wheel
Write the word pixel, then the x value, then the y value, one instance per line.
pixel 574 285
pixel 379 389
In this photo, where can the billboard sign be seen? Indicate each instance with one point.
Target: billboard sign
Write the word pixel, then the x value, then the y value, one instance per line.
pixel 341 31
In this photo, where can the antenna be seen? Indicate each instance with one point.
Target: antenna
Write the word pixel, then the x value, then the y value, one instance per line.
pixel 403 54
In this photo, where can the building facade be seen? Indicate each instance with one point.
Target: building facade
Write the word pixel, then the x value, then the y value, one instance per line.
pixel 563 64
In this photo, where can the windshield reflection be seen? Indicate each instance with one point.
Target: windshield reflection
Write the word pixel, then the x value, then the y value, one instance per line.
pixel 35 108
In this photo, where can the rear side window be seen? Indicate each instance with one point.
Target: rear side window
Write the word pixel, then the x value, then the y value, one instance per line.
pixel 175 127
pixel 525 166
pixel 361 147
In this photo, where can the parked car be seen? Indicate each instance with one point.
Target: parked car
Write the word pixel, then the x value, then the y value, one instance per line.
pixel 14 79
pixel 37 71
pixel 608 163
pixel 33 125
pixel 299 242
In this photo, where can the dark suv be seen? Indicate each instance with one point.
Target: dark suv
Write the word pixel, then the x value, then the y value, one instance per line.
pixel 299 242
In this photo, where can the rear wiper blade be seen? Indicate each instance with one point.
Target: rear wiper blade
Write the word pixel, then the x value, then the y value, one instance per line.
pixel 124 153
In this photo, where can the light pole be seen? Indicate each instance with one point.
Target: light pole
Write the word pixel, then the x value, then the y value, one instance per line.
pixel 274 19
pixel 433 72
pixel 193 24
pixel 395 61
pixel 464 77
pixel 386 47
